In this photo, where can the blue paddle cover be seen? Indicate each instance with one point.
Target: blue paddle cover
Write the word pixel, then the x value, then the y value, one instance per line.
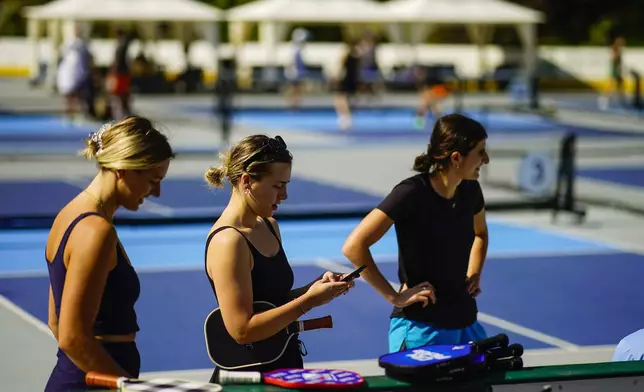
pixel 426 356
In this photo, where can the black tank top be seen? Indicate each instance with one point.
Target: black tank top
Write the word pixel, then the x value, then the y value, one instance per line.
pixel 116 314
pixel 272 280
pixel 272 277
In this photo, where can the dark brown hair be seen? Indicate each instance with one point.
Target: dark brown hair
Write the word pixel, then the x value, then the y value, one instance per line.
pixel 451 133
pixel 252 155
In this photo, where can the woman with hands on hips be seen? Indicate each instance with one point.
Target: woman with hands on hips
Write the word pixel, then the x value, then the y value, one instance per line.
pixel 245 260
pixel 441 231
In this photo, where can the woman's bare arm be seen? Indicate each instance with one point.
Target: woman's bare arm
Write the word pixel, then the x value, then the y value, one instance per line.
pixel 356 248
pixel 229 264
pixel 52 319
pixel 91 257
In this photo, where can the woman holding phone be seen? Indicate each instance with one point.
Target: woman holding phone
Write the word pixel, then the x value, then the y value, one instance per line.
pixel 245 259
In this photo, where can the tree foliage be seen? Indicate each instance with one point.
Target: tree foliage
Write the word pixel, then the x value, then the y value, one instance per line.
pixel 12 22
pixel 568 22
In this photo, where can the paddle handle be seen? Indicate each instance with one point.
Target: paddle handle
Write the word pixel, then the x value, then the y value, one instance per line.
pixel 500 340
pixel 227 377
pixel 507 364
pixel 316 323
pixel 103 380
pixel 514 350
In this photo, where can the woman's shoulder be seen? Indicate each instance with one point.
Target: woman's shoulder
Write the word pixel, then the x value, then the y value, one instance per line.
pixel 415 182
pixel 225 234
pixel 91 222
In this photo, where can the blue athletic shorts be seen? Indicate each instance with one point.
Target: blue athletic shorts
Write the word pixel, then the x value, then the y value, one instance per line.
pixel 415 334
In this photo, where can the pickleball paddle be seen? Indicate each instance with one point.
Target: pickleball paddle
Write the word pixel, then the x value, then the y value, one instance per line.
pixel 295 378
pixel 432 358
pixel 124 384
pixel 448 362
pixel 228 354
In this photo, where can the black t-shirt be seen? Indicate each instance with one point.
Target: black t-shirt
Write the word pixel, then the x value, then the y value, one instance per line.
pixel 435 236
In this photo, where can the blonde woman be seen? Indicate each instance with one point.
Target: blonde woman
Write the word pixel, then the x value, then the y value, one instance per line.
pixel 93 285
pixel 245 260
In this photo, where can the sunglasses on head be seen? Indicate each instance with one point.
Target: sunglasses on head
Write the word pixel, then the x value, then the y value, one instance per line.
pixel 275 145
pixel 274 150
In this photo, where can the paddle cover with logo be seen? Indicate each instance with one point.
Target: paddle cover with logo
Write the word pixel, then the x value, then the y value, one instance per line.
pixel 441 362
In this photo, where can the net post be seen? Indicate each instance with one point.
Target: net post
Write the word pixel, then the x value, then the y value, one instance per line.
pixel 458 93
pixel 534 92
pixel 225 88
pixel 637 95
pixel 566 177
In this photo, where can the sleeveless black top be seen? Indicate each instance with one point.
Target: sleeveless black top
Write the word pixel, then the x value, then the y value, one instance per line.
pixel 272 277
pixel 272 281
pixel 116 314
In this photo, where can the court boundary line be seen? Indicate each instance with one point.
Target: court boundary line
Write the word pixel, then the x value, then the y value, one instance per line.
pixel 570 233
pixel 502 255
pixel 170 212
pixel 312 262
pixel 484 317
pixel 337 266
pixel 25 316
pixel 369 367
pixel 604 182
pixel 149 206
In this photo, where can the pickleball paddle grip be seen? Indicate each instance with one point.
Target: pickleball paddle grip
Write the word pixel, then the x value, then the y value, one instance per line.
pixel 507 364
pixel 237 377
pixel 316 323
pixel 500 340
pixel 514 350
pixel 103 380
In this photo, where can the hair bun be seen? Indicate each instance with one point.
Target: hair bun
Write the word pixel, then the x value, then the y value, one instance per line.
pixel 423 163
pixel 215 177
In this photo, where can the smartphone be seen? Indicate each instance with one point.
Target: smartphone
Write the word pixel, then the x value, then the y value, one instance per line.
pixel 355 274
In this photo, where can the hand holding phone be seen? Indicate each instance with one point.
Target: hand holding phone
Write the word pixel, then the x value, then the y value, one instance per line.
pixel 355 274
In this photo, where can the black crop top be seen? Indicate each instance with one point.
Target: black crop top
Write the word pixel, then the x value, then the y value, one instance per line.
pixel 116 314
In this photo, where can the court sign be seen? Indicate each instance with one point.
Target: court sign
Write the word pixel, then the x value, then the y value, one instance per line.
pixel 537 173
